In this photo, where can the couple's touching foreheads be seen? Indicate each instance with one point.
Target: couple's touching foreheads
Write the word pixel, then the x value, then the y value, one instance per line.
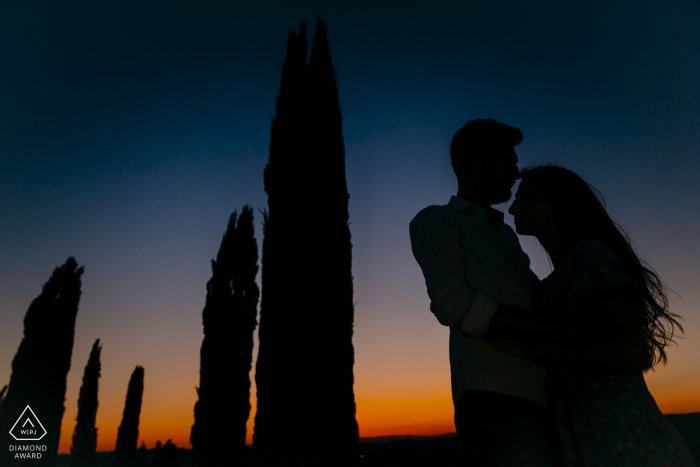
pixel 544 372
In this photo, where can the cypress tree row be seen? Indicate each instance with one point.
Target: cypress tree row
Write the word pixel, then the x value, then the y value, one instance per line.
pixel 229 319
pixel 128 432
pixel 83 450
pixel 42 361
pixel 304 373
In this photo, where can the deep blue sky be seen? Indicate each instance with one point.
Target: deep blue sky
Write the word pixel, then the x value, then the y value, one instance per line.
pixel 129 131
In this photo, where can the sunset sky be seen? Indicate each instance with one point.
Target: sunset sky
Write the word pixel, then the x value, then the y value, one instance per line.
pixel 130 131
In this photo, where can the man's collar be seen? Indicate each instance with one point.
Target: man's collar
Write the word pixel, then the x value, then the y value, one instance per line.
pixel 461 204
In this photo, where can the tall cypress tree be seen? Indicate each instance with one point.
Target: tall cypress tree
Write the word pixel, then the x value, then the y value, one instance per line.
pixel 331 305
pixel 83 450
pixel 229 318
pixel 306 312
pixel 275 372
pixel 128 433
pixel 42 361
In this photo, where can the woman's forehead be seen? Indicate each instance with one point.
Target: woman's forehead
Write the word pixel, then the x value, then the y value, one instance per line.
pixel 525 187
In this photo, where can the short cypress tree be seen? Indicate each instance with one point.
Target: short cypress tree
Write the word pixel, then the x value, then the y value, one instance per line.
pixel 306 315
pixel 42 361
pixel 229 317
pixel 83 450
pixel 128 432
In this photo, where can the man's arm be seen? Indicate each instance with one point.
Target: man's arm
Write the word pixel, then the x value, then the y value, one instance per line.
pixel 619 343
pixel 602 355
pixel 435 244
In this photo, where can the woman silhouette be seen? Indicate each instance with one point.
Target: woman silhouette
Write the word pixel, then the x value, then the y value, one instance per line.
pixel 603 409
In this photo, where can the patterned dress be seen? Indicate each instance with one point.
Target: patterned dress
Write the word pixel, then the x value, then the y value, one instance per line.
pixel 606 419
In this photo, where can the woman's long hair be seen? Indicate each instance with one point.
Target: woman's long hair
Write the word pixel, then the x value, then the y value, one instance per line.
pixel 579 214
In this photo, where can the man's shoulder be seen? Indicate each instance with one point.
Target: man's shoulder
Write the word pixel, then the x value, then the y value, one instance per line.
pixel 434 213
pixel 431 224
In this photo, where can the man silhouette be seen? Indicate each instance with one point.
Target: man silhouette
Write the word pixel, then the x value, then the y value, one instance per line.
pixel 479 283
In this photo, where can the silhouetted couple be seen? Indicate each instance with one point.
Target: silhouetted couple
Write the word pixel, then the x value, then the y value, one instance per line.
pixel 544 373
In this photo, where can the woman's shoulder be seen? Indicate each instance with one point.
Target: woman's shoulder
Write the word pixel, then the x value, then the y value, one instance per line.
pixel 591 252
pixel 590 245
pixel 598 266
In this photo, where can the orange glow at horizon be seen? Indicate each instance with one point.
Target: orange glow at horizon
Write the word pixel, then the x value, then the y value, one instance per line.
pixel 376 417
pixel 681 397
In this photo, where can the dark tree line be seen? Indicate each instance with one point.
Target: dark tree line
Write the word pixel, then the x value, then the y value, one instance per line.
pixel 229 319
pixel 165 455
pixel 42 361
pixel 84 447
pixel 141 456
pixel 304 372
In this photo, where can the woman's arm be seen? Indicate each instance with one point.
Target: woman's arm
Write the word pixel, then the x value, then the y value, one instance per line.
pixel 514 323
pixel 619 344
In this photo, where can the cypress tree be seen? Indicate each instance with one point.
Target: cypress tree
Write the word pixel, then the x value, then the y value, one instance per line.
pixel 246 295
pixel 128 432
pixel 331 304
pixel 275 373
pixel 229 319
pixel 307 311
pixel 42 362
pixel 83 450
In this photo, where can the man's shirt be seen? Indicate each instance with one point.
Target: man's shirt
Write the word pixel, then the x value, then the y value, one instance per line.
pixel 471 264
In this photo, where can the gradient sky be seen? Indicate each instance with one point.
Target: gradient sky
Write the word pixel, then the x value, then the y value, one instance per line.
pixel 129 132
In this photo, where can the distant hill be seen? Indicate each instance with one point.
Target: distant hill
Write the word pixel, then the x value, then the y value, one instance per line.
pixel 411 451
pixel 418 451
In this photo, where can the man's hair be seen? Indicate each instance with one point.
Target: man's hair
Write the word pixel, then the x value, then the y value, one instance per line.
pixel 480 138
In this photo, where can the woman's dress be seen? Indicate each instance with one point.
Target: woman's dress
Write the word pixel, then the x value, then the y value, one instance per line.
pixel 606 419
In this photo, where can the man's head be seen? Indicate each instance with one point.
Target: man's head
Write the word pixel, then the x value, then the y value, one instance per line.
pixel 484 159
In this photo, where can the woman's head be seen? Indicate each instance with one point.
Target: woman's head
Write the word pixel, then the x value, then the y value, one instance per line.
pixel 552 197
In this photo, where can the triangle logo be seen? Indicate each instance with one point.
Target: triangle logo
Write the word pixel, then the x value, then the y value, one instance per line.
pixel 27 427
